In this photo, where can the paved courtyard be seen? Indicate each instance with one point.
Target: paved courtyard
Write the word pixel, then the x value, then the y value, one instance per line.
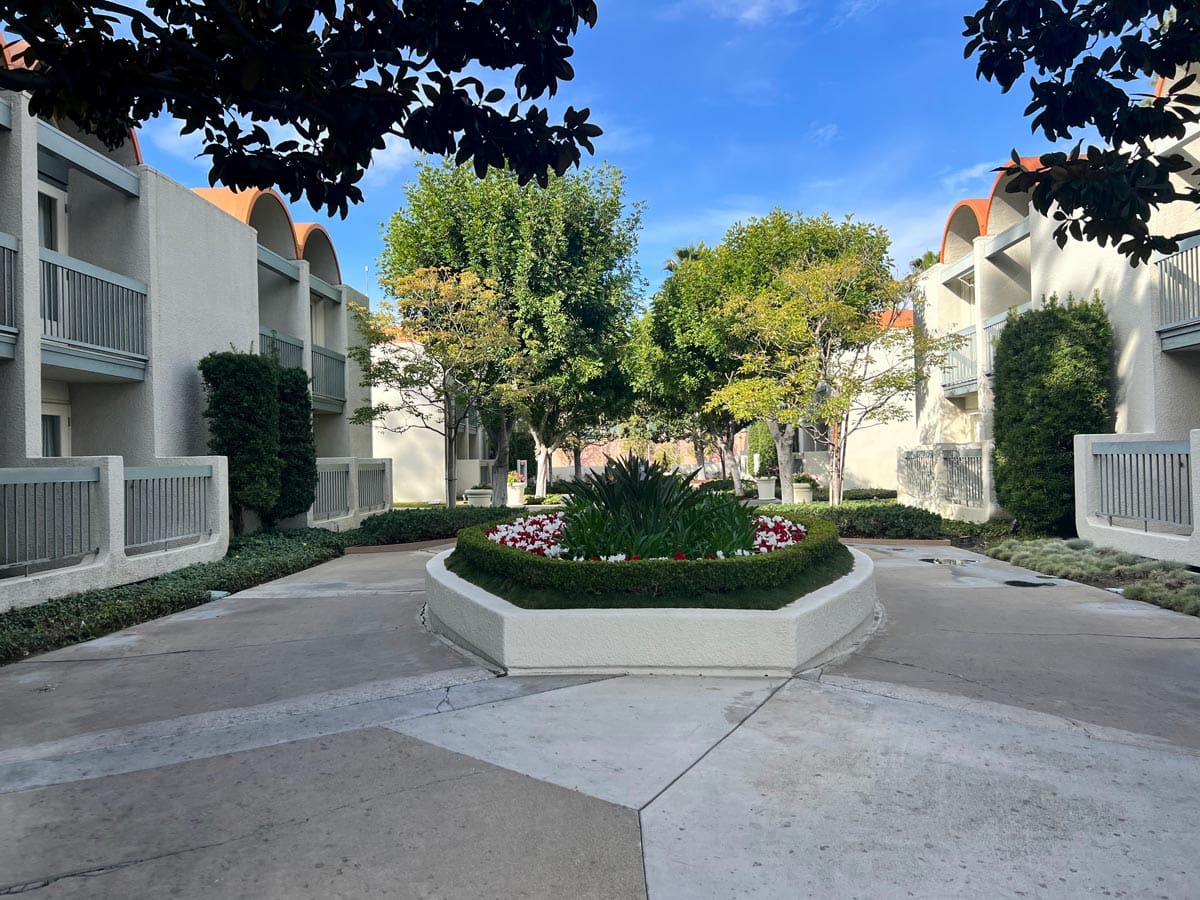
pixel 308 738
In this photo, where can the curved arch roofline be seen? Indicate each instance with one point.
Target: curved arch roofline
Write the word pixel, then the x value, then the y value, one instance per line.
pixel 304 231
pixel 241 204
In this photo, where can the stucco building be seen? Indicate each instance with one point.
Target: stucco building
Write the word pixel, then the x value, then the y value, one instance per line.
pixel 1134 489
pixel 114 282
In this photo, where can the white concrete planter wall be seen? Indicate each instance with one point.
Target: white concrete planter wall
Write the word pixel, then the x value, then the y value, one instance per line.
pixel 665 641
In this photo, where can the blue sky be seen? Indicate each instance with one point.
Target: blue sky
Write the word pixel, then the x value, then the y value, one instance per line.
pixel 717 110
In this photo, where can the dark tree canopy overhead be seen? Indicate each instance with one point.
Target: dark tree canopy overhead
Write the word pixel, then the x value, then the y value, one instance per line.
pixel 342 74
pixel 1095 63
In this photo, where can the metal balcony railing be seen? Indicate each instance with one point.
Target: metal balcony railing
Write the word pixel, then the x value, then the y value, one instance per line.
pixel 372 486
pixel 328 374
pixel 962 366
pixel 963 475
pixel 46 516
pixel 992 329
pixel 8 281
pixel 89 306
pixel 165 505
pixel 917 472
pixel 1179 286
pixel 333 491
pixel 289 351
pixel 1148 482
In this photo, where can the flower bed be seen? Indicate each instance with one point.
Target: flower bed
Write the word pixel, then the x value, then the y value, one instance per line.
pixel 542 535
pixel 536 579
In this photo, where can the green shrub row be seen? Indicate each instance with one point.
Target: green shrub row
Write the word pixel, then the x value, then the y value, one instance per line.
pixel 857 494
pixel 858 518
pixel 404 526
pixel 577 583
pixel 91 614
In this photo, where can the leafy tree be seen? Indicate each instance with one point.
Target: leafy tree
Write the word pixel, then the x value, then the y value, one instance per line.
pixel 243 425
pixel 340 78
pixel 1053 380
pixel 821 353
pixel 760 443
pixel 561 258
pixel 682 351
pixel 443 347
pixel 297 446
pixel 1089 61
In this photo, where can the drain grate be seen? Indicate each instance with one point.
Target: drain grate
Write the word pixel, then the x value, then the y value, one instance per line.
pixel 948 561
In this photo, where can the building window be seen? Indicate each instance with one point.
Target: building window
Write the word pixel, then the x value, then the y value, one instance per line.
pixel 52 432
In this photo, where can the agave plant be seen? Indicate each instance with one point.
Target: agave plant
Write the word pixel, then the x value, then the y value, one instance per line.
pixel 637 508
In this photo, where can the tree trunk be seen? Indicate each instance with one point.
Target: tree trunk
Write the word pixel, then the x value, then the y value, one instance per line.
pixel 500 469
pixel 729 461
pixel 544 449
pixel 450 440
pixel 698 446
pixel 577 450
pixel 837 463
pixel 783 435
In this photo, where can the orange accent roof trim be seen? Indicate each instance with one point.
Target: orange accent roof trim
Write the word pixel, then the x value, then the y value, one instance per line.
pixel 897 318
pixel 978 208
pixel 8 59
pixel 240 205
pixel 305 230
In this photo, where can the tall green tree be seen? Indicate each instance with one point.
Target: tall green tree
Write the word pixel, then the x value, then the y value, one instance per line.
pixel 340 78
pixel 442 347
pixel 1089 64
pixel 561 258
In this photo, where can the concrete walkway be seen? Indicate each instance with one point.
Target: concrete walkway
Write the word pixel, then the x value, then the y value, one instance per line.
pixel 309 739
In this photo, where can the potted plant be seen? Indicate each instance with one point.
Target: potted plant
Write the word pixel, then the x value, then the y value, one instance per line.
pixel 480 495
pixel 804 484
pixel 766 483
pixel 516 489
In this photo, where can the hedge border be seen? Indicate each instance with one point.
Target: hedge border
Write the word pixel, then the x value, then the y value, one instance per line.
pixel 657 578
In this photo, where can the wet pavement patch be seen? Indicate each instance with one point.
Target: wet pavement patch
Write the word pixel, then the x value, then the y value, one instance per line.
pixel 948 561
pixel 1016 582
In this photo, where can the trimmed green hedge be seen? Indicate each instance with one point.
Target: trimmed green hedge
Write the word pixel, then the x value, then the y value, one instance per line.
pixel 858 518
pixel 404 526
pixel 664 582
pixel 91 614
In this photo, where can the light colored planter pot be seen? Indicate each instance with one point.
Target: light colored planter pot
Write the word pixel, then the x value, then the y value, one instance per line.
pixel 808 632
pixel 516 495
pixel 802 493
pixel 479 497
pixel 766 488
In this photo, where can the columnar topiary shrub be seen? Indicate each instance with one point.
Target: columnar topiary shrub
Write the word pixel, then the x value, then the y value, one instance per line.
pixel 759 440
pixel 243 425
pixel 297 446
pixel 1053 380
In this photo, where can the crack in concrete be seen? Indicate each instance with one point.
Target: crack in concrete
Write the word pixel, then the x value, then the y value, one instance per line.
pixel 1143 637
pixel 81 659
pixel 37 884
pixel 444 701
pixel 908 665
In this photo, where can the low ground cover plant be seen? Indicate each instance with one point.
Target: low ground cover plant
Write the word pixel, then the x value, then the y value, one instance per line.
pixel 1168 584
pixel 251 561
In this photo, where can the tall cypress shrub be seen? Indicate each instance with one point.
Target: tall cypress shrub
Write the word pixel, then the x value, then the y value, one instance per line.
pixel 1053 380
pixel 759 440
pixel 297 446
pixel 243 425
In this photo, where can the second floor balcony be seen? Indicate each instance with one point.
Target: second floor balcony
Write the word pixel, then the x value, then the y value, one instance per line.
pixel 1179 298
pixel 960 375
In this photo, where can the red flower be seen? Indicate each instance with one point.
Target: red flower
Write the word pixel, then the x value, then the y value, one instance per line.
pixel 594 558
pixel 681 556
pixel 635 556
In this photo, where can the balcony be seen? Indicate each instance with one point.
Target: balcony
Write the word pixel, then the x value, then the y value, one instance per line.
pixel 328 380
pixel 960 375
pixel 348 489
pixel 1179 298
pixel 287 350
pixel 992 329
pixel 8 296
pixel 93 320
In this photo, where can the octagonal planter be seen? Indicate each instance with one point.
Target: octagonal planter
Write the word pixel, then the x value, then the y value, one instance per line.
pixel 805 633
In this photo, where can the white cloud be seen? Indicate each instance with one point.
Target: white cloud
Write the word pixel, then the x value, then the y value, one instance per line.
pixel 395 157
pixel 744 12
pixel 969 178
pixel 849 10
pixel 162 134
pixel 821 135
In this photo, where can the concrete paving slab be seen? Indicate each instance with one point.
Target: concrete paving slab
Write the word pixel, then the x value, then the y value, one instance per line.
pixel 1065 649
pixel 262 646
pixel 623 740
pixel 371 813
pixel 838 792
pixel 206 735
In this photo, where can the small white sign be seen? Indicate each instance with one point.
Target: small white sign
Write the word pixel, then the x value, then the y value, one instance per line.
pixel 523 468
